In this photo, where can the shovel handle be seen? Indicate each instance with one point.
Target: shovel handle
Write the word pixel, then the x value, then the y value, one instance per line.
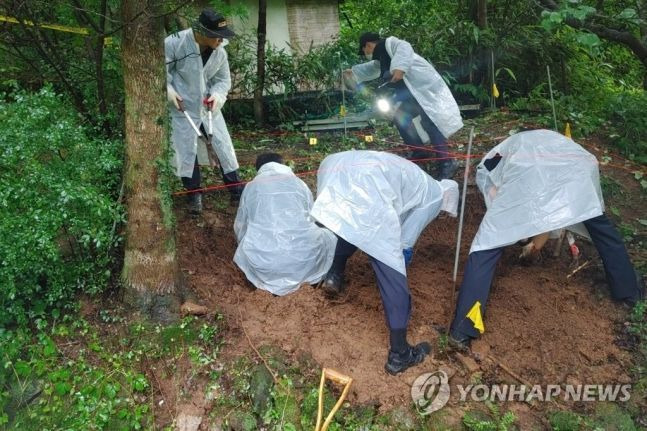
pixel 336 377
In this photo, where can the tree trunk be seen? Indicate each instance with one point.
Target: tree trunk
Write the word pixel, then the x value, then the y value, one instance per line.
pixel 151 274
pixel 480 75
pixel 481 14
pixel 259 110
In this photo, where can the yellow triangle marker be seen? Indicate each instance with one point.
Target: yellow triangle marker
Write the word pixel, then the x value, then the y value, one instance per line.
pixel 495 91
pixel 567 132
pixel 368 138
pixel 475 316
pixel 313 141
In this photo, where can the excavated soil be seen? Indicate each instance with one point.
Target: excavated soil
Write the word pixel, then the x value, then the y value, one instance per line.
pixel 540 326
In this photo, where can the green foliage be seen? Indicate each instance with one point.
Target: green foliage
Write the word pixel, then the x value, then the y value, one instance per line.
pixel 296 83
pixel 34 56
pixel 638 328
pixel 478 421
pixel 606 417
pixel 58 206
pixel 565 421
pixel 69 376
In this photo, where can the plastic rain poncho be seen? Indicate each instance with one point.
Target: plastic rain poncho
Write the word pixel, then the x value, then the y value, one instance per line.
pixel 544 181
pixel 379 202
pixel 425 84
pixel 279 245
pixel 192 81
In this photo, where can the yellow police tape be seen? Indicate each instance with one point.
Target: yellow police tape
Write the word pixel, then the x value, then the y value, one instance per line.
pixel 76 30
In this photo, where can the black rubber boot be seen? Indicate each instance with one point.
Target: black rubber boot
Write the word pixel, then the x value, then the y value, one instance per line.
pixel 333 284
pixel 446 169
pixel 195 203
pixel 642 291
pixel 412 355
pixel 235 187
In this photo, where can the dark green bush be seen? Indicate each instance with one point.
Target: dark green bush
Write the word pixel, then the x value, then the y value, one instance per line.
pixel 626 110
pixel 57 205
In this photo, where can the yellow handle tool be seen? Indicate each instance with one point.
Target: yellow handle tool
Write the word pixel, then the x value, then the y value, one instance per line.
pixel 338 378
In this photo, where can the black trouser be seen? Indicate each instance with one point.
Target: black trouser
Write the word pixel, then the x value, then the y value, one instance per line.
pixel 393 286
pixel 229 178
pixel 480 267
pixel 403 119
pixel 193 182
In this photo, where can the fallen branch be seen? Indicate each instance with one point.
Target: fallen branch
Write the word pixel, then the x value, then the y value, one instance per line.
pixel 505 368
pixel 576 270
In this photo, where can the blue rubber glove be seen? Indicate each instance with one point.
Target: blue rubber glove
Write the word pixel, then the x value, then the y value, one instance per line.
pixel 408 255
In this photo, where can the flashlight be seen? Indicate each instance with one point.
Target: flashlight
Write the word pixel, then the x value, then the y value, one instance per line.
pixel 383 105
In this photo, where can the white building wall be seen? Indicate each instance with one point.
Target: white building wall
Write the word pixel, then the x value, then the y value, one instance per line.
pixel 278 33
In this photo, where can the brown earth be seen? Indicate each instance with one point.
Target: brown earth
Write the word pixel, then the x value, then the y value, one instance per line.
pixel 540 327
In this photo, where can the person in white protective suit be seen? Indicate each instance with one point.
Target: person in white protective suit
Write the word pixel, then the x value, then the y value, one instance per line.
pixel 419 91
pixel 198 80
pixel 279 245
pixel 535 182
pixel 380 203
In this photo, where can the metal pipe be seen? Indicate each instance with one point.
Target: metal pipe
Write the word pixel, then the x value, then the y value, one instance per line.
pixel 460 223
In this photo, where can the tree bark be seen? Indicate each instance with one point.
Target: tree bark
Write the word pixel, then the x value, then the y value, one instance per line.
pixel 259 109
pixel 151 274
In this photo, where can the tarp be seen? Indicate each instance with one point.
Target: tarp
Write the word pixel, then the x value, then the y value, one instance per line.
pixel 279 245
pixel 379 202
pixel 543 181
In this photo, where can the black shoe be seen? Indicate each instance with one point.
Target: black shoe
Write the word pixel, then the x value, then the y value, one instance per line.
pixel 447 169
pixel 459 342
pixel 399 362
pixel 333 284
pixel 195 203
pixel 642 291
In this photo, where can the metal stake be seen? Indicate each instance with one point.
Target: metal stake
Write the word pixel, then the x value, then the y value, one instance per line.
pixel 460 223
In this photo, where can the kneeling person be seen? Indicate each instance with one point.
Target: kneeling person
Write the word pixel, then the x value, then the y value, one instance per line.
pixel 279 245
pixel 380 203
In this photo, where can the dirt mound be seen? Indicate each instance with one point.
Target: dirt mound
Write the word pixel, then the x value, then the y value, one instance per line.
pixel 540 326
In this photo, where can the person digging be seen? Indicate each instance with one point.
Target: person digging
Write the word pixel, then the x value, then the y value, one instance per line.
pixel 380 203
pixel 533 183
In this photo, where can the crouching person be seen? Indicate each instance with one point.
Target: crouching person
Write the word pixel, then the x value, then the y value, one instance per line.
pixel 279 245
pixel 380 203
pixel 535 182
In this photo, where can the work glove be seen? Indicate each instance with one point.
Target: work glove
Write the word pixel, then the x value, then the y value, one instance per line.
pixel 173 97
pixel 216 102
pixel 408 255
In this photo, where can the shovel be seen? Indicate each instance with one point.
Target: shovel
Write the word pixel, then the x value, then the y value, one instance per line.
pixel 340 379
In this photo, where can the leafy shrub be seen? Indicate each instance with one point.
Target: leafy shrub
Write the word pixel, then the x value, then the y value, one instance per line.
pixel 57 206
pixel 626 110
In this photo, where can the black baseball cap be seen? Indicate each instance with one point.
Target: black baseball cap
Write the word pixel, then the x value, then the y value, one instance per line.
pixel 367 37
pixel 213 25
